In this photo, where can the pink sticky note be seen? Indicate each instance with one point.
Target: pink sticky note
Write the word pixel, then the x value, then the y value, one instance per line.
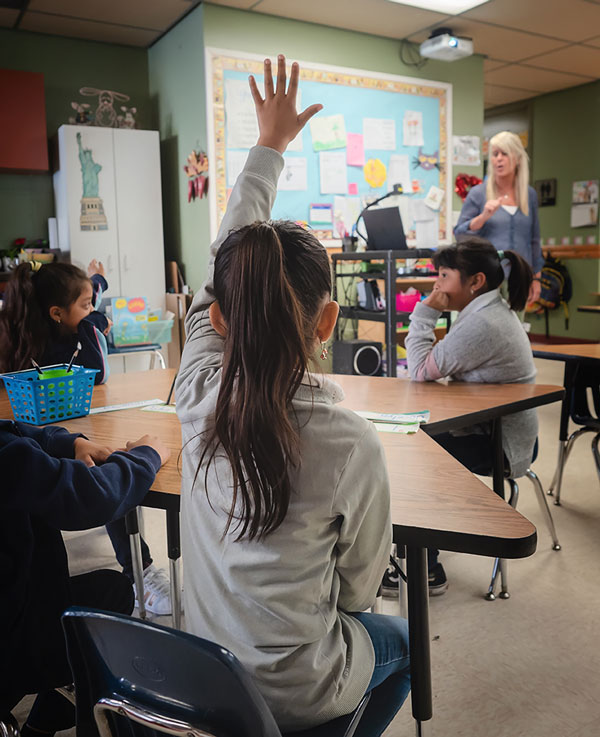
pixel 355 149
pixel 352 188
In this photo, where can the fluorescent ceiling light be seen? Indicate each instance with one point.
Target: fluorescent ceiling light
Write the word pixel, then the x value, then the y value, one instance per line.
pixel 450 7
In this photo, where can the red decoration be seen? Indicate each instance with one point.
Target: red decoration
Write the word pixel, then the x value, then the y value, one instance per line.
pixel 197 165
pixel 463 183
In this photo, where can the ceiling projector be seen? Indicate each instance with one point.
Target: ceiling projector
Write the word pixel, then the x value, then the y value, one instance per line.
pixel 444 46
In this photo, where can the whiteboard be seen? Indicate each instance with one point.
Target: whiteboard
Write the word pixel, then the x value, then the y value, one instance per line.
pixel 380 108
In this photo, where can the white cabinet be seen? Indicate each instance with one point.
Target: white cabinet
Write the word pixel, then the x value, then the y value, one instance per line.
pixel 107 191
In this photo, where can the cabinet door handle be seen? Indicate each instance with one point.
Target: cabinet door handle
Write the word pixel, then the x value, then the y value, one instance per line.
pixel 109 263
pixel 125 263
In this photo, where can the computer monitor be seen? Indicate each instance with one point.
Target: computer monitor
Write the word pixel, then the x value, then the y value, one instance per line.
pixel 384 229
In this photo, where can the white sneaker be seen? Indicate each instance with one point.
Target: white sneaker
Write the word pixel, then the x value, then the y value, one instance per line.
pixel 157 591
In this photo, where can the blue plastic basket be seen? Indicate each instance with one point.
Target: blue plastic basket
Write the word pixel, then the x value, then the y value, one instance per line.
pixel 54 397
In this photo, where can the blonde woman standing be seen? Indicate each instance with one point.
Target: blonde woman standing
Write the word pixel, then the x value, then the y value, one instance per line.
pixel 504 209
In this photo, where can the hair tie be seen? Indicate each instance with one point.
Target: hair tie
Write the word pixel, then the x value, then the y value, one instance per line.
pixel 500 255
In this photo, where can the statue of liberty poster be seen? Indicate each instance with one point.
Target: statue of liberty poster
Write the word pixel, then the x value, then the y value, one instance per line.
pixel 92 209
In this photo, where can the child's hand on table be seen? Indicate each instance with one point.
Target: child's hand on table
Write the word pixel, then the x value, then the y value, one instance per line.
pixel 154 442
pixel 437 300
pixel 278 120
pixel 95 267
pixel 90 453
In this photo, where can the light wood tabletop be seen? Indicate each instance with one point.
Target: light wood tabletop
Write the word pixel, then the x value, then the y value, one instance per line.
pixel 588 308
pixel 567 351
pixel 453 404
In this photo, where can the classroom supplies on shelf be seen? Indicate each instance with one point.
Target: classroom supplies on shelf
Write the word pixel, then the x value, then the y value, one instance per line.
pixel 53 396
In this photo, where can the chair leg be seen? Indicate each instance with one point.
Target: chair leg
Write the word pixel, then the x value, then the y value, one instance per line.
pixel 564 450
pixel 504 579
pixel 356 717
pixel 501 565
pixel 596 452
pixel 539 490
pixel 490 595
pixel 9 726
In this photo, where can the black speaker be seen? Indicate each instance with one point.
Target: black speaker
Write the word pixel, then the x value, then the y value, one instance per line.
pixel 362 357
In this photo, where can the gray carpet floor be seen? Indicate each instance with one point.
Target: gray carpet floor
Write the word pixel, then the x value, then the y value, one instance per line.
pixel 528 666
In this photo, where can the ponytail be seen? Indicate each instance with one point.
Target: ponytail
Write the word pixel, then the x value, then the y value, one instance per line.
pixel 519 281
pixel 25 324
pixel 270 279
pixel 472 255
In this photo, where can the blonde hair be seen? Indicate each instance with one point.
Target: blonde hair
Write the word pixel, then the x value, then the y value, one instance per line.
pixel 512 146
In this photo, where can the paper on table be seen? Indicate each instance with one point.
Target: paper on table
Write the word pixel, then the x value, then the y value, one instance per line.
pixel 380 133
pixel 294 174
pixel 167 409
pixel 355 151
pixel 396 418
pixel 235 164
pixel 328 132
pixel 413 128
pixel 399 173
pixel 332 172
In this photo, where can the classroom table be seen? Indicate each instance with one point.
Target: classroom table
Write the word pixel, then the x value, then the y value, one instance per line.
pixel 572 354
pixel 435 501
pixel 589 308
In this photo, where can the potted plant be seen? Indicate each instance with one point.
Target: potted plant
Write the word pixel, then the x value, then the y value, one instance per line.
pixel 10 256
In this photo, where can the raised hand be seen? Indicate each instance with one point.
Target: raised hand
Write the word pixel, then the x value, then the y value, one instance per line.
pixel 95 267
pixel 278 119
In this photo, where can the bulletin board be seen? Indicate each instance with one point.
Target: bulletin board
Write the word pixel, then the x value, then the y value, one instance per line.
pixel 375 130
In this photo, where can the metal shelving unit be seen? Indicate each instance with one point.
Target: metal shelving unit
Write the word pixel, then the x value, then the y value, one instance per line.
pixel 389 274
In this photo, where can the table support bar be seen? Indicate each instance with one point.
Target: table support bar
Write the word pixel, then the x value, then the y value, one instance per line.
pixel 418 618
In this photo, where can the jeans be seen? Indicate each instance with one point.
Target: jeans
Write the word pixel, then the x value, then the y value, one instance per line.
pixel 390 682
pixel 120 542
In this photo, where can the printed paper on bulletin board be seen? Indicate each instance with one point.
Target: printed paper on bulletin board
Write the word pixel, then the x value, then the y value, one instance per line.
pixel 356 95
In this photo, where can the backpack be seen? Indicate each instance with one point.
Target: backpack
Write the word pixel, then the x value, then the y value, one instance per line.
pixel 557 288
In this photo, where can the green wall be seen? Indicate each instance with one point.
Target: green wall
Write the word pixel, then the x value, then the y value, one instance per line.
pixel 566 146
pixel 27 201
pixel 176 66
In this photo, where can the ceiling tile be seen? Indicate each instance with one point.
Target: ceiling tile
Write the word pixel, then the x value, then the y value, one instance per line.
pixel 90 30
pixel 524 77
pixel 499 43
pixel 8 16
pixel 572 59
pixel 489 64
pixel 570 20
pixel 379 17
pixel 153 14
pixel 502 95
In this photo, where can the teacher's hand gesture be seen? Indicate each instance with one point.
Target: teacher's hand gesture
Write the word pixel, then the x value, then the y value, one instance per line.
pixel 278 120
pixel 490 207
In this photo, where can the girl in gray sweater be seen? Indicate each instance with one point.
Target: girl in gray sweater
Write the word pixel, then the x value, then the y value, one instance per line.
pixel 486 344
pixel 285 515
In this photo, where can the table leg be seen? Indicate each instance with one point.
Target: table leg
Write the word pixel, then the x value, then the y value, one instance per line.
pixel 133 530
pixel 498 457
pixel 418 629
pixel 174 553
pixel 563 433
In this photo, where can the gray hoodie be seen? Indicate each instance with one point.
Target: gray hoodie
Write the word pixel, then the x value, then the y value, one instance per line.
pixel 486 344
pixel 279 603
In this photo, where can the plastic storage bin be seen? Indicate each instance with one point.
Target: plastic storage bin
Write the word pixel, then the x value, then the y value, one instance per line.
pixel 406 302
pixel 156 331
pixel 53 397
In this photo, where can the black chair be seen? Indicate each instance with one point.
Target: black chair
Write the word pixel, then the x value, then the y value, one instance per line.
pixel 584 381
pixel 136 679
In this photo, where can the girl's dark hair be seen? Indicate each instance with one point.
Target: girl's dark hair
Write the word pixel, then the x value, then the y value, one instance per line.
pixel 472 255
pixel 25 323
pixel 270 279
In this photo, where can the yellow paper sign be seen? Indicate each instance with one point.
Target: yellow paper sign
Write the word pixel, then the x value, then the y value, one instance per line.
pixel 375 173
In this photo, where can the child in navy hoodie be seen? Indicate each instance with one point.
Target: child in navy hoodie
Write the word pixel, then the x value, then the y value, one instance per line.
pixel 53 481
pixel 47 312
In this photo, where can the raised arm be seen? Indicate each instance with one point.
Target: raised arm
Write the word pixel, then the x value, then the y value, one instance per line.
pixel 251 199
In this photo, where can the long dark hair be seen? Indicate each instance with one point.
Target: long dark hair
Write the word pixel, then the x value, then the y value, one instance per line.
pixel 270 280
pixel 25 323
pixel 472 255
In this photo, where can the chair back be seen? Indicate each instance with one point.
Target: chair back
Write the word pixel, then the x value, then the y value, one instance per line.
pixel 134 679
pixel 586 378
